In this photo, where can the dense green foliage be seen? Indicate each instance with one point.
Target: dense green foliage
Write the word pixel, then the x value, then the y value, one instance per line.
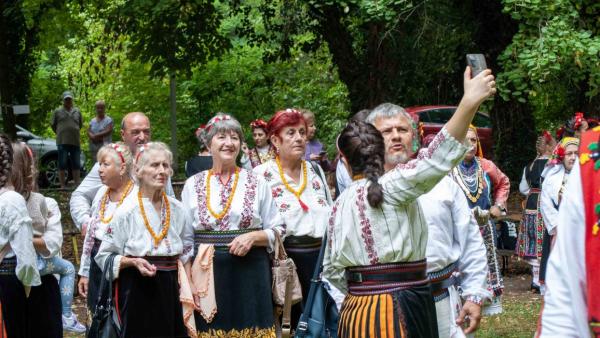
pixel 251 58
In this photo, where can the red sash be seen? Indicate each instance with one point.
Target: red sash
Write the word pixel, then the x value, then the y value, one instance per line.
pixel 590 183
pixel 2 326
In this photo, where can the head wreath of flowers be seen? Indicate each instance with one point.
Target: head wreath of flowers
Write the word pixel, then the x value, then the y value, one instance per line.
pixel 547 136
pixel 199 130
pixel 558 155
pixel 218 118
pixel 258 123
pixel 119 149
pixel 141 149
pixel 578 120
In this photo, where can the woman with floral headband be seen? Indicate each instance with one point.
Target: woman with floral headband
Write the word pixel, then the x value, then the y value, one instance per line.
pixel 235 221
pixel 531 228
pixel 555 180
pixel 150 239
pixel 486 189
pixel 115 162
pixel 263 151
pixel 300 191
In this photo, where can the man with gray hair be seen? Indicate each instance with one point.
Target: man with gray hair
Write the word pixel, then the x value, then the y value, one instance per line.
pixel 100 129
pixel 135 132
pixel 455 250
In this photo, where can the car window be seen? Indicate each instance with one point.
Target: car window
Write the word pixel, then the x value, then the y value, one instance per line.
pixel 482 121
pixel 440 116
pixel 424 117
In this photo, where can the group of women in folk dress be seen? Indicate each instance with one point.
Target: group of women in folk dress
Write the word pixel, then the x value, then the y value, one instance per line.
pixel 200 266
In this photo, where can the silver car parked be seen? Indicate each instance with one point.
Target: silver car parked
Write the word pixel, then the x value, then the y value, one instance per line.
pixel 46 153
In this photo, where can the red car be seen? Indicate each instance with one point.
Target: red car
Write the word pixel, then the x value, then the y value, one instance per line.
pixel 434 118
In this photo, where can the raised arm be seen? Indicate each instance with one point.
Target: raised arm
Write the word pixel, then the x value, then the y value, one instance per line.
pixel 82 197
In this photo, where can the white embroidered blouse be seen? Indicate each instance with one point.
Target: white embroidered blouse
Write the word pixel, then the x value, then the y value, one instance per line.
pixel 316 196
pixel 252 206
pixel 549 197
pixel 360 235
pixel 126 234
pixel 454 237
pixel 16 230
pixel 96 229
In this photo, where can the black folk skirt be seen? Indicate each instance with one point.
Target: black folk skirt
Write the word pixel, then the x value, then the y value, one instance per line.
pixel 243 296
pixel 400 307
pixel 149 307
pixel 304 251
pixel 37 316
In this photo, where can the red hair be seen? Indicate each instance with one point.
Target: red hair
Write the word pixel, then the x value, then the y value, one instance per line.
pixel 284 118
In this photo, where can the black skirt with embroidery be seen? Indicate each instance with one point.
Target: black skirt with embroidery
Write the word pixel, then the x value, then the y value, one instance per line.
pixel 243 296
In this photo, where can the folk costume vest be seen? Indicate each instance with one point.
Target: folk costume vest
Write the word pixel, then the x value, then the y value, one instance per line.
pixel 590 181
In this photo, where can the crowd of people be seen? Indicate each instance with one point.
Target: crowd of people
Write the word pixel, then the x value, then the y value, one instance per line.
pixel 409 234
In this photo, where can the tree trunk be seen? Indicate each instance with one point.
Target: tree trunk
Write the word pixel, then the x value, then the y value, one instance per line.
pixel 173 106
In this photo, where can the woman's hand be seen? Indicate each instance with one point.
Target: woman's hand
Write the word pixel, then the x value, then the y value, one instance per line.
pixel 242 244
pixel 144 267
pixel 82 286
pixel 480 87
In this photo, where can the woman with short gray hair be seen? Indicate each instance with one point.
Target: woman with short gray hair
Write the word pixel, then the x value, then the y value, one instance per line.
pixel 235 221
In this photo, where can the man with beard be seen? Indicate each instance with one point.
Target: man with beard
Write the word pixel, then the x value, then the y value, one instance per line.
pixel 454 243
pixel 135 132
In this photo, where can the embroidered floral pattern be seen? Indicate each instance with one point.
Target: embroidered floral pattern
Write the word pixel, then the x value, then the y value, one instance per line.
pixel 224 192
pixel 365 225
pixel 249 199
pixel 332 222
pixel 321 202
pixel 268 176
pixel 202 209
pixel 283 207
pixel 276 192
pixel 316 185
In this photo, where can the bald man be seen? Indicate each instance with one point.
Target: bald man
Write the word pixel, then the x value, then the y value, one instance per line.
pixel 135 131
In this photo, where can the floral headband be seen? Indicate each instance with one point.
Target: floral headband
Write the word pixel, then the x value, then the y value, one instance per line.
pixel 258 123
pixel 218 118
pixel 578 120
pixel 119 149
pixel 141 149
pixel 200 129
pixel 558 155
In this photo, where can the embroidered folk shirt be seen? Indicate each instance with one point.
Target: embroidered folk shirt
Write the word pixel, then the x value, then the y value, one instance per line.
pixel 360 235
pixel 96 229
pixel 126 234
pixel 316 196
pixel 15 229
pixel 454 237
pixel 252 206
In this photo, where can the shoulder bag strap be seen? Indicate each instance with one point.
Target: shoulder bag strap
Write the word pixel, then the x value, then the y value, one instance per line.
pixel 287 307
pixel 317 169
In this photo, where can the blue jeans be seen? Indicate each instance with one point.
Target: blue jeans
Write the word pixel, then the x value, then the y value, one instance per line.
pixel 65 269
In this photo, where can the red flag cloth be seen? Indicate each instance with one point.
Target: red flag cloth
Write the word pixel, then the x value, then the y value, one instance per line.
pixel 590 182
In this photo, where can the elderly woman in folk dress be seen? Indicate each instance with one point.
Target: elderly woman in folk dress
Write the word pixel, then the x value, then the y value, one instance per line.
pixel 300 192
pixel 115 162
pixel 235 220
pixel 152 238
pixel 18 268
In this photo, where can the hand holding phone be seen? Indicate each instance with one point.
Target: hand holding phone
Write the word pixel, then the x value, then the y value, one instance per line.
pixel 477 63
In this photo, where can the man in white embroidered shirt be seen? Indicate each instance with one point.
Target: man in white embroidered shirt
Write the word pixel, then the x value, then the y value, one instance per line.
pixel 135 132
pixel 455 249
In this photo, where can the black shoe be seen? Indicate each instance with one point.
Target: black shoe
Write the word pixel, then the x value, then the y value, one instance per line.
pixel 535 288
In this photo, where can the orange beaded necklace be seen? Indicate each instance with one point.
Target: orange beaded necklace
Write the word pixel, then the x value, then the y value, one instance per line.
pixel 106 198
pixel 300 190
pixel 165 225
pixel 225 210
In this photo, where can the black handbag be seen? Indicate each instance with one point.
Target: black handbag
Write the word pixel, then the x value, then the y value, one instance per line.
pixel 105 320
pixel 320 316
